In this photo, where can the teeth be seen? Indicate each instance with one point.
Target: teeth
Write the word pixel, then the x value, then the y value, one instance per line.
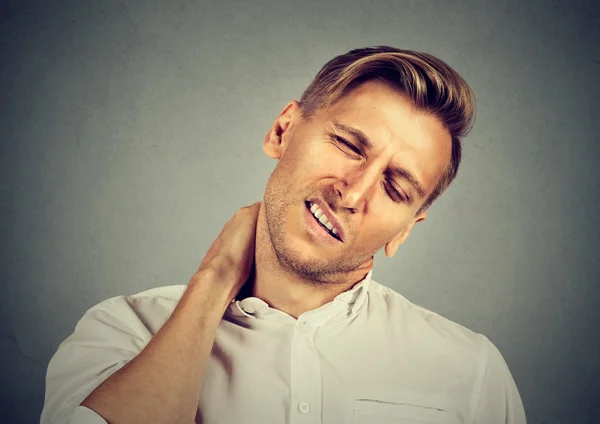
pixel 324 220
pixel 318 213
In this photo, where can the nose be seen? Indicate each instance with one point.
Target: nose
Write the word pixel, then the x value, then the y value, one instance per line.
pixel 356 188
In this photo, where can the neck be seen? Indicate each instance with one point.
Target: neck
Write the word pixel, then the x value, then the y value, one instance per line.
pixel 286 291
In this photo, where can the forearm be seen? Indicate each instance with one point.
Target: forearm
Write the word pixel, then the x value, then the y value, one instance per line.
pixel 162 383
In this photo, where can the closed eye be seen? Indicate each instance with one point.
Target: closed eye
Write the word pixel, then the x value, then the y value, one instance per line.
pixel 390 189
pixel 395 195
pixel 346 143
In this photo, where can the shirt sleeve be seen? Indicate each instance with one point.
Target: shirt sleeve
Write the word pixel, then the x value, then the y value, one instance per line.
pixel 85 415
pixel 108 336
pixel 499 401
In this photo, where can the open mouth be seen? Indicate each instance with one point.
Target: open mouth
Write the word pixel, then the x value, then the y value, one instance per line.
pixel 335 236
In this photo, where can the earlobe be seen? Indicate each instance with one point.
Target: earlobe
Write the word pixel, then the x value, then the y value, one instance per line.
pixel 392 246
pixel 274 142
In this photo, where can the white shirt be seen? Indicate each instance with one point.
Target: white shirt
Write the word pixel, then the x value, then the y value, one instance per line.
pixel 369 356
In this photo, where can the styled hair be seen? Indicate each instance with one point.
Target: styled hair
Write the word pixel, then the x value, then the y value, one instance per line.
pixel 432 85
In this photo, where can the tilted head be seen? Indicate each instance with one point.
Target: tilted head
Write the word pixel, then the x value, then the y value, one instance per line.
pixel 430 84
pixel 373 141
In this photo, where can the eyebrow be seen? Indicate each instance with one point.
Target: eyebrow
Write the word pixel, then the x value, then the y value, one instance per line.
pixel 366 144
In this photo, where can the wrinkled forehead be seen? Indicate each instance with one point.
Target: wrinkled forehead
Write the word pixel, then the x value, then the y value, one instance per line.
pixel 395 128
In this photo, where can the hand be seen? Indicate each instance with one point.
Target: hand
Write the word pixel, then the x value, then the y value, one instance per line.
pixel 229 259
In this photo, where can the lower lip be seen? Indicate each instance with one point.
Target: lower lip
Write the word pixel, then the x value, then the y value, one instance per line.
pixel 317 230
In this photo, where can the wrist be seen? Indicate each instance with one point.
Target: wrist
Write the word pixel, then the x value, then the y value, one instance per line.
pixel 212 287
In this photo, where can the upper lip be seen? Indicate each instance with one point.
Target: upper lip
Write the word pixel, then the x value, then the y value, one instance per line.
pixel 330 216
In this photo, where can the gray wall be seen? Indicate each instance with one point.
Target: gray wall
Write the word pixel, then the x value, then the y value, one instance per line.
pixel 130 133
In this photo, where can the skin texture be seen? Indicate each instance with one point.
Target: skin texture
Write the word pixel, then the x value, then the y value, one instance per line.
pixel 312 163
pixel 292 270
pixel 161 385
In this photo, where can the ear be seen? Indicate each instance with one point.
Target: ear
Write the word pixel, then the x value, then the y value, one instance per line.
pixel 275 140
pixel 392 246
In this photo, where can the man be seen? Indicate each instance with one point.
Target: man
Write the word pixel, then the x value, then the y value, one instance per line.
pixel 282 322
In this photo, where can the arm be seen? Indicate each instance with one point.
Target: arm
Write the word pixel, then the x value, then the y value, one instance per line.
pixel 162 384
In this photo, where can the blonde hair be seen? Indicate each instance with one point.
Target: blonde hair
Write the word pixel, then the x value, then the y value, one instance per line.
pixel 432 85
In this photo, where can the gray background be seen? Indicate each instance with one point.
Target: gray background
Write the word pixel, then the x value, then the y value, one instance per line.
pixel 130 133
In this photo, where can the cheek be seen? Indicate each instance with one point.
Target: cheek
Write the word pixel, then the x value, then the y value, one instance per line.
pixel 289 163
pixel 298 168
pixel 384 228
pixel 315 160
pixel 328 160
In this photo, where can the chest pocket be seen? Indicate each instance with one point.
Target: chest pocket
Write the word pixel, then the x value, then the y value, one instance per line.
pixel 400 407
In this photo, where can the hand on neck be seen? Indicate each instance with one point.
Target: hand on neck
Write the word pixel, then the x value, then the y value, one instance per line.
pixel 286 291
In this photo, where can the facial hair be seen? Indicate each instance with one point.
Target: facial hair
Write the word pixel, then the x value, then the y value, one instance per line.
pixel 279 201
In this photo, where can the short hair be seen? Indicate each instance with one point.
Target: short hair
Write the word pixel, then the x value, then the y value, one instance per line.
pixel 432 85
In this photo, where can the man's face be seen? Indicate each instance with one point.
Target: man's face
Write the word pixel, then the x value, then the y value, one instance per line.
pixel 372 206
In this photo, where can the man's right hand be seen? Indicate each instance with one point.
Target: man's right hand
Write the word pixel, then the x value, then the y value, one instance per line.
pixel 231 256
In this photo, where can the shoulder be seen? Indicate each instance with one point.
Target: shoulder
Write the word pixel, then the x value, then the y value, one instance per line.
pixel 108 336
pixel 149 308
pixel 158 295
pixel 425 326
pixel 447 352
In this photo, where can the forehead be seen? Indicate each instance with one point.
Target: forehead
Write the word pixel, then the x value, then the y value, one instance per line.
pixel 410 138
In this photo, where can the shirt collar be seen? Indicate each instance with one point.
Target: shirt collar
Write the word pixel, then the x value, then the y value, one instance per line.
pixel 346 304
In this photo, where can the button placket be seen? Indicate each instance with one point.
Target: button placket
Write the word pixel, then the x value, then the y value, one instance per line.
pixel 303 327
pixel 305 375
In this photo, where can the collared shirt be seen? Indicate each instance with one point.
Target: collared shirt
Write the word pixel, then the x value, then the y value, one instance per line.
pixel 368 356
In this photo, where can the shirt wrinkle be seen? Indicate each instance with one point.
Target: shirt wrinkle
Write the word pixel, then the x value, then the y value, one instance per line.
pixel 477 388
pixel 369 354
pixel 347 304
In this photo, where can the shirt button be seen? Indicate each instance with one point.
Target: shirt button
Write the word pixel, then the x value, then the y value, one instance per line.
pixel 303 327
pixel 304 408
pixel 250 309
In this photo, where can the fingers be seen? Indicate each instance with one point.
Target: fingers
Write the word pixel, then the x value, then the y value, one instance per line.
pixel 253 208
